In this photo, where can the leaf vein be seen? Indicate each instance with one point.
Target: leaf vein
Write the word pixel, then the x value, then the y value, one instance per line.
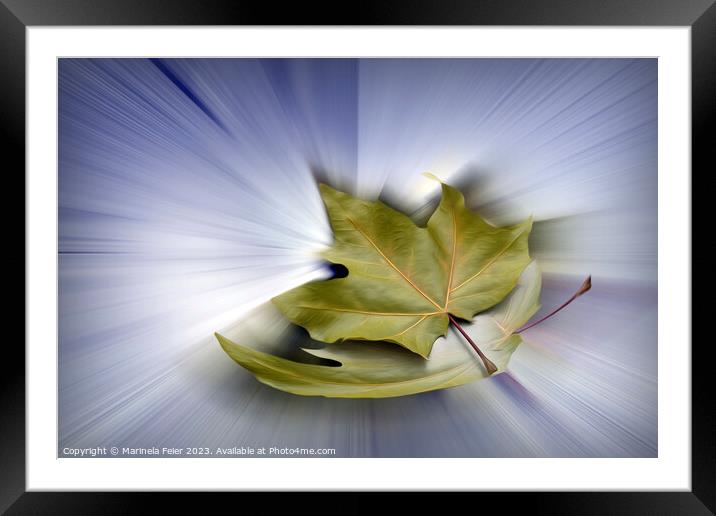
pixel 388 260
pixel 494 259
pixel 454 253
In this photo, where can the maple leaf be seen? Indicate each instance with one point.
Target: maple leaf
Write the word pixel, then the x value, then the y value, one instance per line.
pixel 406 283
pixel 379 369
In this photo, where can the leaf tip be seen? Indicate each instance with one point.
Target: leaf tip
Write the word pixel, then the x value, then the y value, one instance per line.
pixel 432 176
pixel 223 341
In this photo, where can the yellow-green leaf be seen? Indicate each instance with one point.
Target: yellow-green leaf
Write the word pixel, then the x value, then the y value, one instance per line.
pixel 402 279
pixel 380 369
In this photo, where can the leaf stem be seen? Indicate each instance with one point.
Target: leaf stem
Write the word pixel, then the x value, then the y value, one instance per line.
pixel 489 365
pixel 586 285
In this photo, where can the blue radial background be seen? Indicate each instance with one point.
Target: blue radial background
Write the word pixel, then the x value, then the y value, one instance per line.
pixel 187 195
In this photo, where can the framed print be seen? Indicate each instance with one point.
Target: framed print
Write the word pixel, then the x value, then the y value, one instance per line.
pixel 273 255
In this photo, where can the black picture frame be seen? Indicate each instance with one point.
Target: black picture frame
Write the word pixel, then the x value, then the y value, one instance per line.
pixel 16 15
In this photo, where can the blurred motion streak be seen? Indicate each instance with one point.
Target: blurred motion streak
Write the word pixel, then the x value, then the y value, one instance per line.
pixel 187 196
